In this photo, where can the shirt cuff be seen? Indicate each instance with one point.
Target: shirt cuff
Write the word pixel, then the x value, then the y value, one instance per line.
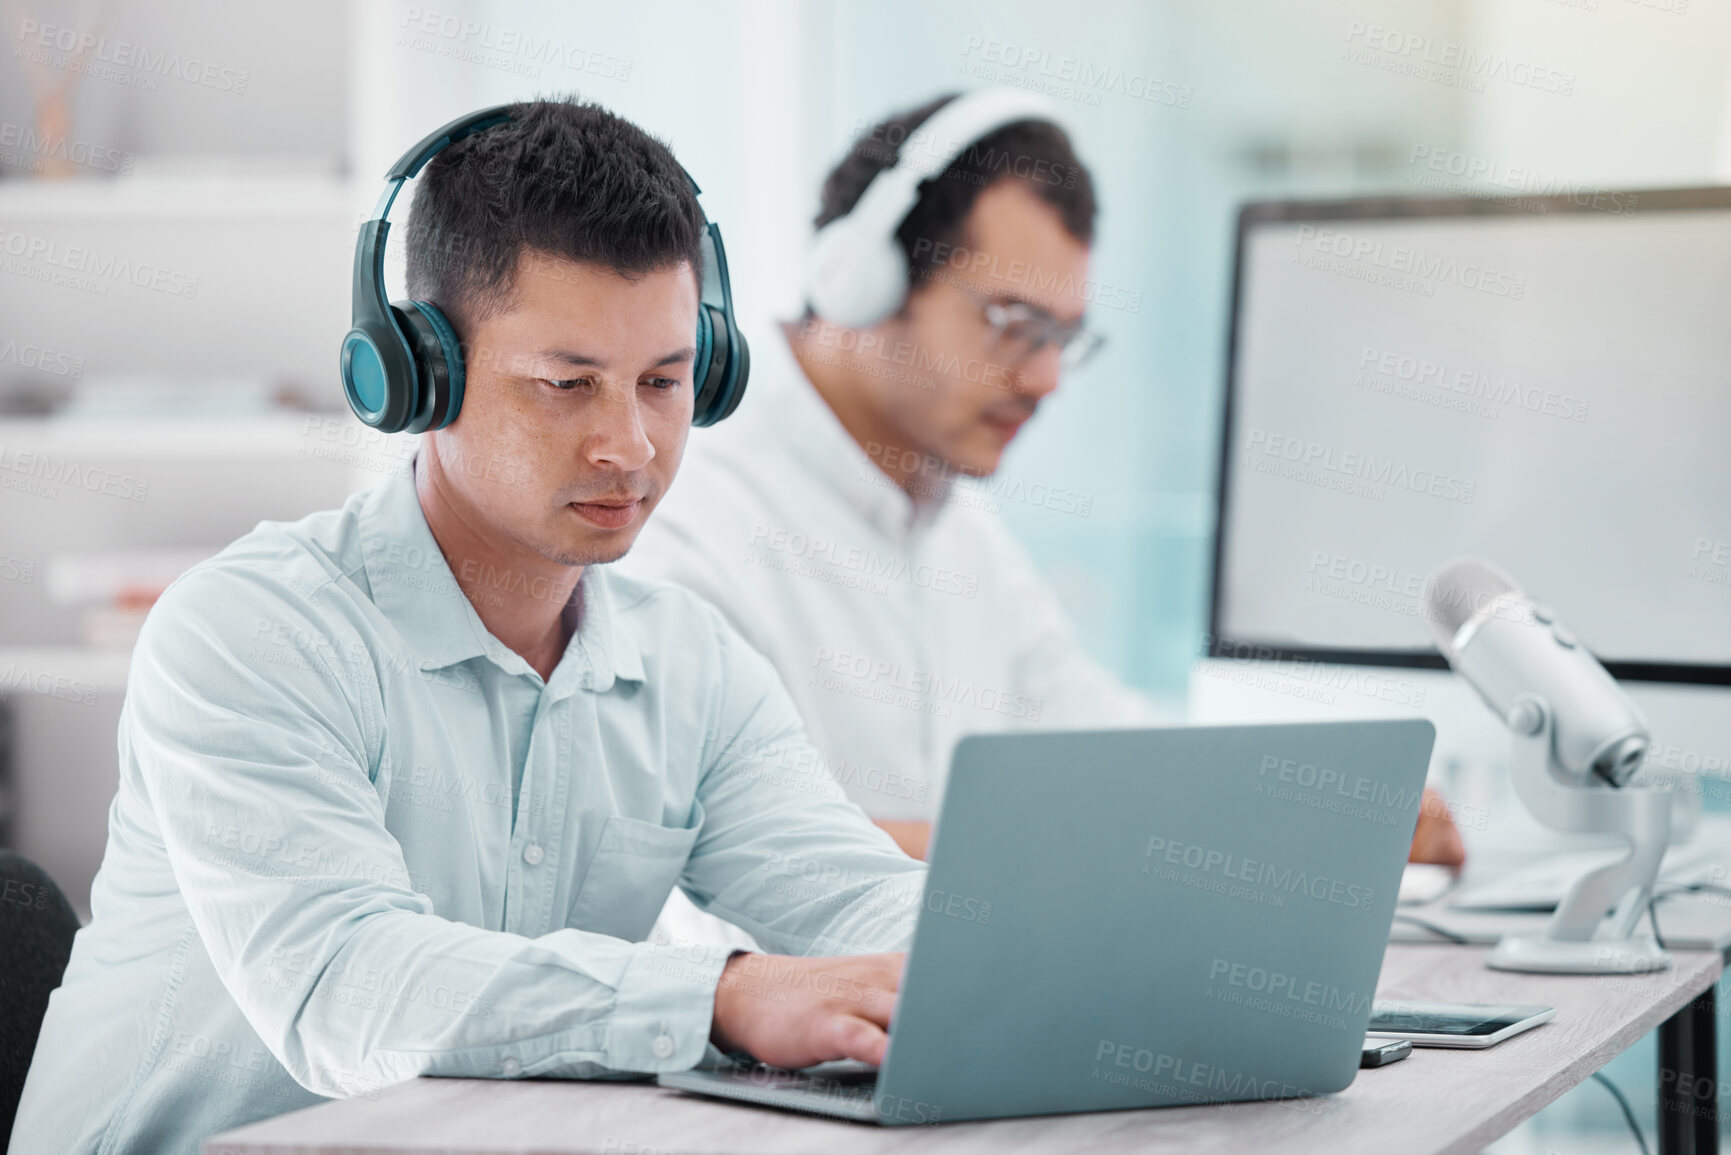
pixel 664 1007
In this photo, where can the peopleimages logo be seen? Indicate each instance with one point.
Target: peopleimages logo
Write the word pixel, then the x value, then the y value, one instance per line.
pixel 104 268
pixel 1661 756
pixel 891 142
pixel 1711 561
pixel 510 49
pixel 16 677
pixel 979 486
pixel 1388 587
pixel 906 362
pixel 864 561
pixel 1255 872
pixel 16 569
pixel 1469 384
pixel 799 766
pixel 1406 260
pixel 986 272
pixel 52 471
pixel 87 47
pixel 1349 471
pixel 40 358
pixel 1530 188
pixel 1276 985
pixel 20 144
pixel 927 691
pixel 1066 77
pixel 1176 1077
pixel 1449 62
pixel 1354 787
pixel 1302 677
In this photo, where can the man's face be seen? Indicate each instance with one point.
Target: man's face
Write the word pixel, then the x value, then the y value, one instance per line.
pixel 576 408
pixel 969 399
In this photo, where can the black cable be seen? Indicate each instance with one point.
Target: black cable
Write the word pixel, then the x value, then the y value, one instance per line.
pixel 1628 1112
pixel 1693 888
pixel 1425 924
pixel 1653 917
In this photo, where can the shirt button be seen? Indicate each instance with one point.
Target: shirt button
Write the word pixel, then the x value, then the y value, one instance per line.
pixel 662 1046
pixel 511 1067
pixel 533 853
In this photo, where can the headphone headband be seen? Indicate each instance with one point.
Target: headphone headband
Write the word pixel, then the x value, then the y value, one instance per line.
pixel 892 193
pixel 411 162
pixel 856 274
pixel 402 365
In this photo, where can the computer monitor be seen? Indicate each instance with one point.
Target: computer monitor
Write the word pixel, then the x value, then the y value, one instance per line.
pixel 1543 382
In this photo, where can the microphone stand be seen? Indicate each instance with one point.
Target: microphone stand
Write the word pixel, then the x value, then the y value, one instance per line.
pixel 1593 929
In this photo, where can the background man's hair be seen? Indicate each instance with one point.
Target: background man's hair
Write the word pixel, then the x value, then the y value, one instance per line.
pixel 562 177
pixel 1035 152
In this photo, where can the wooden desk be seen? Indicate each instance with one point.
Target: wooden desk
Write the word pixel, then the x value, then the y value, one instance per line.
pixel 1688 1121
pixel 1436 1101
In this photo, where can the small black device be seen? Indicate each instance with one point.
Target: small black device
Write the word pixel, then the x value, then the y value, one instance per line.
pixel 1380 1053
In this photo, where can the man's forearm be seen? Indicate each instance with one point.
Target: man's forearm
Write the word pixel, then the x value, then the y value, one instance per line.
pixel 425 996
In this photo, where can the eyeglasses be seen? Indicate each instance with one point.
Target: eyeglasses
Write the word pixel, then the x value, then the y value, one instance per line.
pixel 1020 330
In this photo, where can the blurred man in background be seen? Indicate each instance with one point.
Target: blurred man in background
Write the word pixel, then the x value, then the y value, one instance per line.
pixel 838 524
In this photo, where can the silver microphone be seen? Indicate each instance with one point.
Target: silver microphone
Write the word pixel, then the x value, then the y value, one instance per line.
pixel 1506 645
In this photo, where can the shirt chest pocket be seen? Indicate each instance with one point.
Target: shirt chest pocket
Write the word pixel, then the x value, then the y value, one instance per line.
pixel 633 871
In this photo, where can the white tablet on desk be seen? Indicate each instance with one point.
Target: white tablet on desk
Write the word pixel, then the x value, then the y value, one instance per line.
pixel 1472 1025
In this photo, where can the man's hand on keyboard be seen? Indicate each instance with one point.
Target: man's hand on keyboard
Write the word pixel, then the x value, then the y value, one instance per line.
pixel 794 1012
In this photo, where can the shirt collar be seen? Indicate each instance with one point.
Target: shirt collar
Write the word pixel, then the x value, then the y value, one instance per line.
pixel 413 586
pixel 816 436
pixel 613 650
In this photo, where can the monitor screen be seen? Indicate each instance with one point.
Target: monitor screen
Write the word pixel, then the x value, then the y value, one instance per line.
pixel 1542 383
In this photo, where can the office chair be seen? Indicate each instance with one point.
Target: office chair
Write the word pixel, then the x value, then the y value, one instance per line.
pixel 36 929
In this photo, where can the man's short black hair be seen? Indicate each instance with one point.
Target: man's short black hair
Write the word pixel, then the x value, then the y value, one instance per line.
pixel 1035 152
pixel 562 177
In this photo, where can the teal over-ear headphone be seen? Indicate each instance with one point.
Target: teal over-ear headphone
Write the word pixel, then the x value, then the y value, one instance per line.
pixel 402 365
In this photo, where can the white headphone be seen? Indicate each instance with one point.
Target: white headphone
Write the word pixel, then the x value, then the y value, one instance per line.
pixel 855 273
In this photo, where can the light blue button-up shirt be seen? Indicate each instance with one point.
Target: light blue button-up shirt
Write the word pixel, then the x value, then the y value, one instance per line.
pixel 357 839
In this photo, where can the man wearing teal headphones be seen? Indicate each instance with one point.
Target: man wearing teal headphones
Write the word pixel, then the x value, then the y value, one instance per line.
pixel 404 785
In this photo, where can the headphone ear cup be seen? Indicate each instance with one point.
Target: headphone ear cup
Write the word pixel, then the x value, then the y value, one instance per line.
pixel 721 380
pixel 375 363
pixel 729 367
pixel 706 371
pixel 736 380
pixel 854 279
pixel 438 365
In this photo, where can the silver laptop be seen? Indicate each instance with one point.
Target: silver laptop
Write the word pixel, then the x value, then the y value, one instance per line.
pixel 1137 918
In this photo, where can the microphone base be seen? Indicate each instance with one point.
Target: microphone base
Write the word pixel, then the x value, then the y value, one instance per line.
pixel 1538 954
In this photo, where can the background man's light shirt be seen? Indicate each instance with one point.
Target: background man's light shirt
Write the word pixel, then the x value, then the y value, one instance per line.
pixel 357 839
pixel 898 626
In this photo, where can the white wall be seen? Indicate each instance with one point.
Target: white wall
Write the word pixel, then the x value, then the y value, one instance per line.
pixel 1649 106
